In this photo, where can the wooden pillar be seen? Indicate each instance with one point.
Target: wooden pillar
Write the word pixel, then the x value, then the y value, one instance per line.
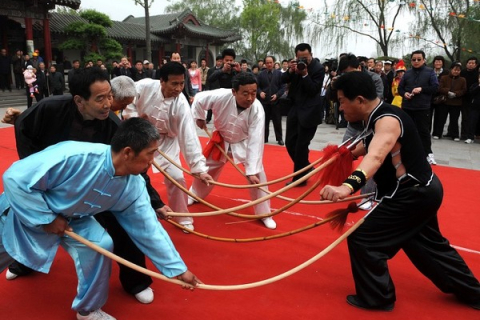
pixel 206 54
pixel 161 54
pixel 129 52
pixel 178 48
pixel 29 35
pixel 47 42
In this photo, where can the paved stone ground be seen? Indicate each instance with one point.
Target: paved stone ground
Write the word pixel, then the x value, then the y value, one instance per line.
pixel 447 152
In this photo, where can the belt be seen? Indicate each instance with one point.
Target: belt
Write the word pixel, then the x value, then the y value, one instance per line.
pixel 409 182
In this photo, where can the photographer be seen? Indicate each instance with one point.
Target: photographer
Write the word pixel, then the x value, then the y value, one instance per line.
pixel 305 77
pixel 229 69
pixel 124 68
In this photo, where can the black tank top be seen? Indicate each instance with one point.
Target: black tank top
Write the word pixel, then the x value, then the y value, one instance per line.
pixel 412 154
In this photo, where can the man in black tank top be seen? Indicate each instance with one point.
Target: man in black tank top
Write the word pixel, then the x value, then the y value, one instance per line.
pixel 409 196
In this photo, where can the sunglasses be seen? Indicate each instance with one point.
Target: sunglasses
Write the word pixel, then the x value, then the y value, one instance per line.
pixel 418 59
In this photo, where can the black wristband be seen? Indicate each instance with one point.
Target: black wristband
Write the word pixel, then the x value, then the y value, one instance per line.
pixel 356 180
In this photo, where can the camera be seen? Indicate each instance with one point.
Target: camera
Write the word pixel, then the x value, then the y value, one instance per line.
pixel 302 63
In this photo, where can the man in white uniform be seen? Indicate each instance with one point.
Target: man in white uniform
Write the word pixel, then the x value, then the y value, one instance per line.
pixel 164 106
pixel 239 121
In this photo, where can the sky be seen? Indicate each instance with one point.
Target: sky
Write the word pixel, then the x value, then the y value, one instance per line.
pixel 124 8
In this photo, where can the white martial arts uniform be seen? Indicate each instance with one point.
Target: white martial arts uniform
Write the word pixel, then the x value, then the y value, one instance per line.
pixel 243 134
pixel 173 119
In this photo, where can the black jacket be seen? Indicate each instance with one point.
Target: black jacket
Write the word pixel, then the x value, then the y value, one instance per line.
pixel 275 86
pixel 423 77
pixel 305 94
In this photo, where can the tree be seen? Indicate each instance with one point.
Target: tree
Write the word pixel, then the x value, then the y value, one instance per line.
pixel 345 17
pixel 266 26
pixel 269 28
pixel 90 36
pixel 146 5
pixel 213 12
pixel 450 21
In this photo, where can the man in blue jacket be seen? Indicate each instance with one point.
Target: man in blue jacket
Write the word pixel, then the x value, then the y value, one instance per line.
pixel 417 87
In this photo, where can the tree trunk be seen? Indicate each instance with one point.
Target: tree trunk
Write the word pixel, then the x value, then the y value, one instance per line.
pixel 147 32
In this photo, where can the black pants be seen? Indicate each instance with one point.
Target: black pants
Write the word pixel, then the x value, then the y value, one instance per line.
pixel 5 82
pixel 19 81
pixel 272 112
pixel 422 120
pixel 297 141
pixel 407 221
pixel 473 121
pixel 443 111
pixel 132 281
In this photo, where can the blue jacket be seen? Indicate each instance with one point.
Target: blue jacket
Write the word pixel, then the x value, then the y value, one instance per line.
pixel 423 77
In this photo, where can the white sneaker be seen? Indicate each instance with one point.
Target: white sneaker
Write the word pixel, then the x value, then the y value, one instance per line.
pixel 10 275
pixel 188 226
pixel 436 137
pixel 431 159
pixel 96 315
pixel 191 201
pixel 456 139
pixel 469 141
pixel 145 296
pixel 269 223
pixel 366 206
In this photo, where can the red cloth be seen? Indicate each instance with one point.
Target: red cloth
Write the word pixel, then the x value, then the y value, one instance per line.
pixel 211 149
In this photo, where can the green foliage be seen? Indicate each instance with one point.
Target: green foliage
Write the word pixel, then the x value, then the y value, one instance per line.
pixel 214 12
pixel 347 17
pixel 265 26
pixel 75 44
pixel 95 17
pixel 439 23
pixel 91 37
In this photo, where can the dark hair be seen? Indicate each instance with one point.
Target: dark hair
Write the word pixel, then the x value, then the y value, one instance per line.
pixel 169 68
pixel 75 61
pixel 455 65
pixel 354 84
pixel 139 61
pixel 473 58
pixel 219 57
pixel 350 60
pixel 273 58
pixel 243 78
pixel 284 60
pixel 418 52
pixel 229 52
pixel 303 47
pixel 203 59
pixel 243 61
pixel 441 58
pixel 80 84
pixel 255 66
pixel 136 133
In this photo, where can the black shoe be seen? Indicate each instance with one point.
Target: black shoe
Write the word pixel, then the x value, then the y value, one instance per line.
pixel 355 301
pixel 302 184
pixel 280 142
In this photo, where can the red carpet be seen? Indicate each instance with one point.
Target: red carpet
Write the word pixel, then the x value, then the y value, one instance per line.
pixel 317 292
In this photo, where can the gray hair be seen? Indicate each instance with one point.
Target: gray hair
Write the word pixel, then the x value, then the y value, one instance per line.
pixel 123 87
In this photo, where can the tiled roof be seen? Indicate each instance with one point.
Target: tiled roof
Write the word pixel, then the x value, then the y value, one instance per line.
pixel 120 30
pixel 167 24
pixel 74 4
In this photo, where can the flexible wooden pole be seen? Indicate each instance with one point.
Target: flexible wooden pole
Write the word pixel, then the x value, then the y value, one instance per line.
pixel 252 203
pixel 256 239
pixel 217 287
